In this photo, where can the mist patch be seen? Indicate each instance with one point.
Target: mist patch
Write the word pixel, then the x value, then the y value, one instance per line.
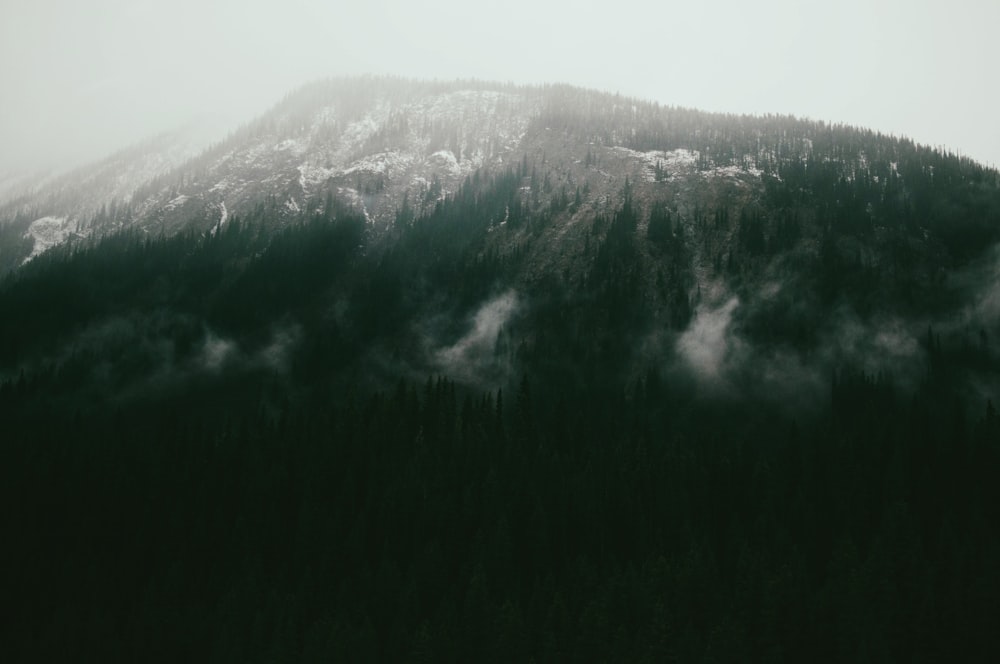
pixel 215 352
pixel 276 355
pixel 473 355
pixel 707 343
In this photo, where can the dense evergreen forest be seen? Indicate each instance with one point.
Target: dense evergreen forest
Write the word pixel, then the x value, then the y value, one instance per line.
pixel 325 440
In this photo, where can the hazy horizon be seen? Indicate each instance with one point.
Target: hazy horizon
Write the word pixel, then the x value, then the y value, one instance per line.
pixel 83 82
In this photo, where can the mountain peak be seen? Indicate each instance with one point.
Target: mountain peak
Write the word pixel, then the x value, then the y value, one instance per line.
pixel 373 142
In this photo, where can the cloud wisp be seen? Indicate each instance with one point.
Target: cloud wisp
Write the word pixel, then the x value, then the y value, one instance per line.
pixel 707 344
pixel 472 358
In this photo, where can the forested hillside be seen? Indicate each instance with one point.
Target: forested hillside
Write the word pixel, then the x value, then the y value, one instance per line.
pixel 653 385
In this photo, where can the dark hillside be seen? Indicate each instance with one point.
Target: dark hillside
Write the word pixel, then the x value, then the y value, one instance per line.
pixel 656 385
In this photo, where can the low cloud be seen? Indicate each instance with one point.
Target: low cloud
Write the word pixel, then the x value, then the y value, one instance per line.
pixel 215 351
pixel 122 358
pixel 472 357
pixel 707 345
pixel 276 354
pixel 219 353
pixel 722 362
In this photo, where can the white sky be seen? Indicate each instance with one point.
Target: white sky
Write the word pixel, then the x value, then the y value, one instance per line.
pixel 82 78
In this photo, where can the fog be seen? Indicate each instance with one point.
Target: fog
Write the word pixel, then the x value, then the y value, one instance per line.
pixel 472 357
pixel 707 342
pixel 81 80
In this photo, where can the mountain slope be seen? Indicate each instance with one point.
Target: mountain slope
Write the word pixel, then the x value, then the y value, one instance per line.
pixel 697 243
pixel 374 142
pixel 57 208
pixel 460 372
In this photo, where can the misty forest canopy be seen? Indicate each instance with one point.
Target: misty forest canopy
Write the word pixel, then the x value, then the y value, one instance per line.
pixel 459 371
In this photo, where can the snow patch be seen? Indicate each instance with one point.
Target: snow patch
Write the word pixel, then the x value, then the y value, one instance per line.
pixel 446 159
pixel 290 145
pixel 309 175
pixel 386 163
pixel 673 162
pixel 176 202
pixel 683 163
pixel 48 232
pixel 221 185
pixel 734 172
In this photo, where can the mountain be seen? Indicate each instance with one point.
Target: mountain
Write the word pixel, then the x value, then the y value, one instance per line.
pixel 455 370
pixel 725 241
pixel 351 137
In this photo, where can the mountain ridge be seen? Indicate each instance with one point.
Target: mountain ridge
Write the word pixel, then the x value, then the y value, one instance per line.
pixel 702 243
pixel 374 144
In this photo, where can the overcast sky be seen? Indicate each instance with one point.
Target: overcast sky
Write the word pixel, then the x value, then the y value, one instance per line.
pixel 82 78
